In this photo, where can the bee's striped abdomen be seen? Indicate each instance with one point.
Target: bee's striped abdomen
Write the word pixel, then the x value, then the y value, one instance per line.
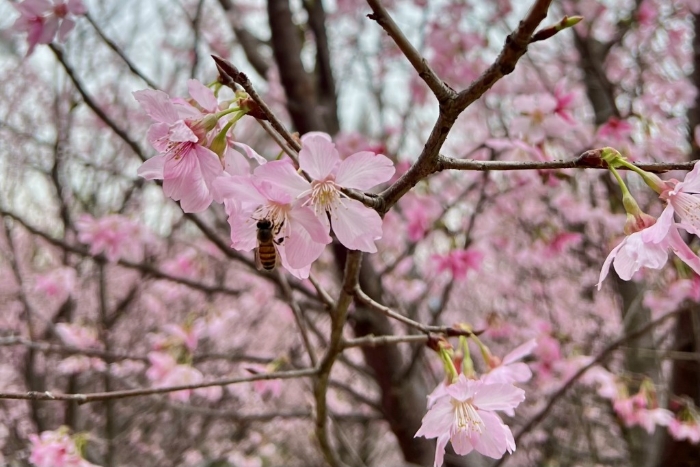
pixel 267 255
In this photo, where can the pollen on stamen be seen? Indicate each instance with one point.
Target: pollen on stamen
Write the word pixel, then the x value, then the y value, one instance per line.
pixel 466 417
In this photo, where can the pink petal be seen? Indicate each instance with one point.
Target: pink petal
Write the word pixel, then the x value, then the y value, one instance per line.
pixel 181 133
pixel 657 232
pixel 302 273
pixel 438 420
pixel 158 136
pixel 513 372
pixel 523 350
pixel 209 164
pixel 152 168
pixel 306 217
pixel 243 227
pixel 76 7
pixel 691 183
pixel 300 249
pixel 183 181
pixel 203 95
pixel 250 152
pixel 318 157
pixel 49 30
pixel 33 7
pixel 496 438
pixel 440 449
pixel 66 27
pixel 238 187
pixel 683 251
pixel 356 225
pixel 637 254
pixel 157 105
pixel 313 134
pixel 608 261
pixel 464 388
pixel 461 442
pixel 364 170
pixel 283 174
pixel 498 396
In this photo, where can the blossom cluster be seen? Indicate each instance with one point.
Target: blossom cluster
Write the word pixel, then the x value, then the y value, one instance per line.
pixel 649 239
pixel 463 412
pixel 42 20
pixel 642 409
pixel 56 449
pixel 198 165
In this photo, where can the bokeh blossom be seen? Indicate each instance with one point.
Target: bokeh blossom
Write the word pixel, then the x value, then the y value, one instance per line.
pixel 43 19
pixel 56 449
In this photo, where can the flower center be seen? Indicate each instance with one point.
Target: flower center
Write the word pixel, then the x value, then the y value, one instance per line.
pixel 466 417
pixel 325 195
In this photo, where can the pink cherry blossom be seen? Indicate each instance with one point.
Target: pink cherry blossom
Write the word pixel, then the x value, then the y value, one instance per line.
pixel 511 369
pixel 78 336
pixel 465 416
pixel 538 118
pixel 649 248
pixel 635 411
pixel 458 262
pixel 58 284
pixel 685 430
pixel 115 236
pixel 252 198
pixel 615 130
pixel 355 225
pixel 42 20
pixel 55 449
pixel 185 165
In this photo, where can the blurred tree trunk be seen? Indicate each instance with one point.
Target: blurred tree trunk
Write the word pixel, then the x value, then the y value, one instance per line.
pixel 686 374
pixel 601 94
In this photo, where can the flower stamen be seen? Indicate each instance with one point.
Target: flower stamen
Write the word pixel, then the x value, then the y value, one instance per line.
pixel 466 417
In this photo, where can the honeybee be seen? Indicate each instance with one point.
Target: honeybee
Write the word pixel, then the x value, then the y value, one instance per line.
pixel 266 254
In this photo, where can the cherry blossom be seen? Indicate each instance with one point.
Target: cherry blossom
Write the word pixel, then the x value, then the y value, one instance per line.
pixel 43 19
pixel 58 284
pixel 465 415
pixel 185 165
pixel 459 262
pixel 635 411
pixel 56 449
pixel 355 225
pixel 252 198
pixel 113 235
pixel 511 369
pixel 685 430
pixel 649 248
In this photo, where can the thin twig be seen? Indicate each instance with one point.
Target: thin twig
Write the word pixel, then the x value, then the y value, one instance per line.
pixel 119 131
pixel 101 396
pixel 442 91
pixel 229 75
pixel 112 45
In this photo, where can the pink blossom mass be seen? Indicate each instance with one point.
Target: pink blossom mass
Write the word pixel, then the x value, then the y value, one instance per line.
pixel 350 233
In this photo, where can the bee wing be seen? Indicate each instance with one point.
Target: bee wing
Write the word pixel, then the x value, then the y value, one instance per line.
pixel 258 264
